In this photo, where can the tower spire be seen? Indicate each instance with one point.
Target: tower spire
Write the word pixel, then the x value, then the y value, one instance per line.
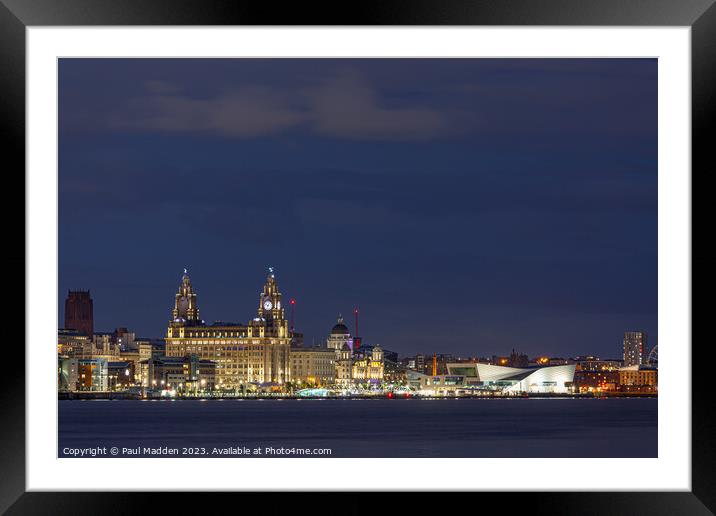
pixel 270 299
pixel 185 306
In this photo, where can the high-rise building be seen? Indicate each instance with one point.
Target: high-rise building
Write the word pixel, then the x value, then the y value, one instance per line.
pixel 257 352
pixel 78 312
pixel 420 363
pixel 634 346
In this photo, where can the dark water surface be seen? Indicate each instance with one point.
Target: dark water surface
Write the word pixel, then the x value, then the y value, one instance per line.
pixel 370 428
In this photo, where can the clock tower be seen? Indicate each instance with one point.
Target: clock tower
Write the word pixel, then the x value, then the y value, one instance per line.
pixel 270 306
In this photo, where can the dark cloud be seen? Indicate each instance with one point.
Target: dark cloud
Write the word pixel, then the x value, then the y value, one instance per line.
pixel 245 113
pixel 345 106
pixel 348 107
pixel 468 206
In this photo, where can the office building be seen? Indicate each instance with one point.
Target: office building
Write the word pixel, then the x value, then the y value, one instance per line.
pixel 313 366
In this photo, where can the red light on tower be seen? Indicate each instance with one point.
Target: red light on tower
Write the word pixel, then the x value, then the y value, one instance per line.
pixel 356 338
pixel 292 302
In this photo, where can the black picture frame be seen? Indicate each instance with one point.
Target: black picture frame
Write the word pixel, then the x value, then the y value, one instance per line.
pixel 17 15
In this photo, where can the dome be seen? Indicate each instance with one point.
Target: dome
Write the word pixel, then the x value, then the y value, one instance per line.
pixel 340 328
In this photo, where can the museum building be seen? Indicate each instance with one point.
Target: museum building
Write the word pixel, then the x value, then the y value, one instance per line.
pixel 464 377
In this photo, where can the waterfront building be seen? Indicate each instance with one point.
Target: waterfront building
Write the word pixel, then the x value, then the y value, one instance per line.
pixel 639 378
pixel 257 352
pixel 67 373
pixel 120 375
pixel 72 343
pixel 313 366
pixel 185 374
pixel 504 380
pixel 595 380
pixel 142 350
pixel 415 379
pixel 352 364
pixel 92 374
pixel 448 385
pixel 104 345
pixel 634 346
pixel 340 336
pixel 369 367
pixel 344 366
pixel 341 342
pixel 591 363
pixel 394 372
pixel 79 312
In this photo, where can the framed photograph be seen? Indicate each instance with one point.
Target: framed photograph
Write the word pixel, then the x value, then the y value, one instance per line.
pixel 418 248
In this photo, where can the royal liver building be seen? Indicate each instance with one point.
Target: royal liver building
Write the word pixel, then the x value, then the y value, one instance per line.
pixel 257 352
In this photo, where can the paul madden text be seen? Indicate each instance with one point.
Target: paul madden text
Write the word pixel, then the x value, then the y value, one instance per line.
pixel 167 451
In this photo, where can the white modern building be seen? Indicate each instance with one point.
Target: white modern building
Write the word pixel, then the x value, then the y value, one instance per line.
pixel 476 377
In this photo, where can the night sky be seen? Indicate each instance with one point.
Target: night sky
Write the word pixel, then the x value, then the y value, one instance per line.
pixel 467 206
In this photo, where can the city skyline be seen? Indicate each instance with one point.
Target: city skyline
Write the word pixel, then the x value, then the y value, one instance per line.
pixel 375 185
pixel 352 329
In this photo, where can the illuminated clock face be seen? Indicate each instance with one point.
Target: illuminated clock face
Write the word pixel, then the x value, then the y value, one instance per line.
pixel 268 304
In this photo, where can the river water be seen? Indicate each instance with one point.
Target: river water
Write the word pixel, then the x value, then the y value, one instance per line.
pixel 363 428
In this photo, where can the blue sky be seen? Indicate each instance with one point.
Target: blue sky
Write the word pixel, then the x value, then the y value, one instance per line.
pixel 467 206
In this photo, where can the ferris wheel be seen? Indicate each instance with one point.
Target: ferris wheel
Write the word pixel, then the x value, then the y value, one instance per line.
pixel 653 358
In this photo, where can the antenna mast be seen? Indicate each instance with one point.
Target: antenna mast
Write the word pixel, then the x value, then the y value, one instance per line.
pixel 293 313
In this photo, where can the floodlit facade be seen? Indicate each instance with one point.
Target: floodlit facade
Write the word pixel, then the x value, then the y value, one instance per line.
pixel 258 352
pixel 478 377
pixel 315 366
pixel 639 378
pixel 369 367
